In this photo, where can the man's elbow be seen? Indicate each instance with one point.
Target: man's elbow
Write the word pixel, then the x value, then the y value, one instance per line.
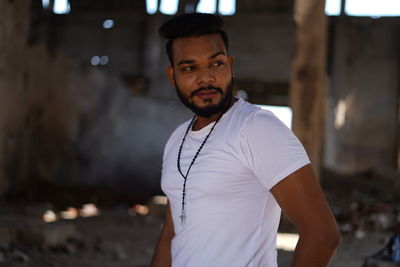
pixel 329 238
pixel 334 238
pixel 322 236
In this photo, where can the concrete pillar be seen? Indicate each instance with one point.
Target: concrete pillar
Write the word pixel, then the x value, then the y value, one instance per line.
pixel 14 22
pixel 308 78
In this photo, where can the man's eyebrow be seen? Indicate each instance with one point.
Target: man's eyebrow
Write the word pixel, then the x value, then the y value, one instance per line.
pixel 217 54
pixel 189 61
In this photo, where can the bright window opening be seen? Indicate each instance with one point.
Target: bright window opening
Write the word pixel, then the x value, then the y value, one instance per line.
pixel 170 7
pixel 61 7
pixel 373 8
pixel 151 6
pixel 227 7
pixel 45 3
pixel 364 8
pixel 206 6
pixel 332 7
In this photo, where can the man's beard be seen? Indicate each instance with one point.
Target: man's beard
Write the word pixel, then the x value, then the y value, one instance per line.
pixel 210 110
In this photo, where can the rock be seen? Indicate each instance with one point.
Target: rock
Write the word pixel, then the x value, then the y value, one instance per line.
pixel 47 235
pixel 372 263
pixel 2 257
pixel 119 252
pixel 359 234
pixel 18 256
pixel 113 249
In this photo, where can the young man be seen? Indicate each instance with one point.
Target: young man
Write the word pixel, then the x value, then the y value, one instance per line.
pixel 230 170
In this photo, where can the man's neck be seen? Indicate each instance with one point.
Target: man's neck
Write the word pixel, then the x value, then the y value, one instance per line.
pixel 202 122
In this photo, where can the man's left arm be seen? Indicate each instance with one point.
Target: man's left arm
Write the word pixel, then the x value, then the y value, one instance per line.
pixel 302 200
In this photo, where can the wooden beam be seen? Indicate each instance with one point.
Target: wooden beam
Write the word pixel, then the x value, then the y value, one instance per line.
pixel 308 80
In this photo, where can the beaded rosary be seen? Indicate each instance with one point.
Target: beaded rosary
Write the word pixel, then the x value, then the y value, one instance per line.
pixel 183 214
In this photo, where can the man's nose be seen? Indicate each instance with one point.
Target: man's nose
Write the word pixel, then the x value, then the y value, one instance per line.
pixel 205 76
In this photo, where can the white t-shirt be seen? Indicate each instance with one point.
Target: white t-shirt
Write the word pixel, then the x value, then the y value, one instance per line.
pixel 231 216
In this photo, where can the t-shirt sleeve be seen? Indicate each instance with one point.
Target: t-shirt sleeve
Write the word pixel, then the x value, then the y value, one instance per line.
pixel 271 149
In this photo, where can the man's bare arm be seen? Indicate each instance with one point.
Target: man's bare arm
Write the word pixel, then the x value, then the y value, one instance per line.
pixel 302 200
pixel 162 253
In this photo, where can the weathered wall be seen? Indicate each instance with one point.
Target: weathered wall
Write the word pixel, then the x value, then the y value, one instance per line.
pixel 67 123
pixel 262 45
pixel 90 129
pixel 361 128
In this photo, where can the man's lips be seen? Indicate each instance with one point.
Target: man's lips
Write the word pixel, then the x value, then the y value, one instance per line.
pixel 204 94
pixel 206 91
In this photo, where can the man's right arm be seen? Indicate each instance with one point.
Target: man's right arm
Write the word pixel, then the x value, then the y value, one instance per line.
pixel 162 253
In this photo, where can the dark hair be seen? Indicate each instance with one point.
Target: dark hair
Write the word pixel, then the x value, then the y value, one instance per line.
pixel 192 25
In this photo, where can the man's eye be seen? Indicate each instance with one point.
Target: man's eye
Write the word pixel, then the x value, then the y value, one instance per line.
pixel 218 63
pixel 187 68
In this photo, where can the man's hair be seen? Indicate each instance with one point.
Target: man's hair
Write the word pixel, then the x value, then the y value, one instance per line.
pixel 191 25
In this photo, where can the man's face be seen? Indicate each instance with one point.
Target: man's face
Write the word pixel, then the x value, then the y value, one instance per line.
pixel 202 73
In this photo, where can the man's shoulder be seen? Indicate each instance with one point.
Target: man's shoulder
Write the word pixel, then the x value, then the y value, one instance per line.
pixel 253 116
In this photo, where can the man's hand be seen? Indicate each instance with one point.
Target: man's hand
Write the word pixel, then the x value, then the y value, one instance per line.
pixel 162 253
pixel 303 201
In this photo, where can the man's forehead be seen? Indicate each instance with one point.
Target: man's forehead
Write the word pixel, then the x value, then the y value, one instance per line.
pixel 203 45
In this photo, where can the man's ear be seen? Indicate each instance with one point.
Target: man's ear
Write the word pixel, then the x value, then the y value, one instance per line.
pixel 231 61
pixel 171 76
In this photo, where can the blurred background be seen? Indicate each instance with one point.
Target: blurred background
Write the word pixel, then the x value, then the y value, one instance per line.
pixel 85 111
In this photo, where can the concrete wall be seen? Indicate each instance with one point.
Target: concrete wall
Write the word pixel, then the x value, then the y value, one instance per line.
pixel 262 44
pixel 362 120
pixel 64 122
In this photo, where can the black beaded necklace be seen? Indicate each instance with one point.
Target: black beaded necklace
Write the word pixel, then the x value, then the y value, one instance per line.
pixel 183 214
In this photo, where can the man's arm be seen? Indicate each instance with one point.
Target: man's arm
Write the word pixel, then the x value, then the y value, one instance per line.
pixel 303 201
pixel 162 253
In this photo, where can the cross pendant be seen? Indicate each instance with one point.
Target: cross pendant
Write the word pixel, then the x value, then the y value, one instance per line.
pixel 183 217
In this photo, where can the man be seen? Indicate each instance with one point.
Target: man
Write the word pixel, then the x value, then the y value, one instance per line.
pixel 230 170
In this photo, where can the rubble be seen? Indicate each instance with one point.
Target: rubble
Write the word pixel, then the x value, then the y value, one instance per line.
pixel 380 264
pixel 47 236
pixel 10 256
pixel 363 216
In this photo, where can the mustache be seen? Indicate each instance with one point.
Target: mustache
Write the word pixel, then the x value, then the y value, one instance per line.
pixel 210 87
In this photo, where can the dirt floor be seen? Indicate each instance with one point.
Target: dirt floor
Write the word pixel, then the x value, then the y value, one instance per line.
pixel 368 213
pixel 116 238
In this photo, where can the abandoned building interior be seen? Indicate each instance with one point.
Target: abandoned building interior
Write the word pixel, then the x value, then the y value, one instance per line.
pixel 86 109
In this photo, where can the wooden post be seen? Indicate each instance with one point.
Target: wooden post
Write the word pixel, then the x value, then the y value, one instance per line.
pixel 308 80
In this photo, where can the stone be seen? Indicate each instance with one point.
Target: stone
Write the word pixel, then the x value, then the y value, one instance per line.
pixel 47 235
pixel 2 257
pixel 119 252
pixel 18 256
